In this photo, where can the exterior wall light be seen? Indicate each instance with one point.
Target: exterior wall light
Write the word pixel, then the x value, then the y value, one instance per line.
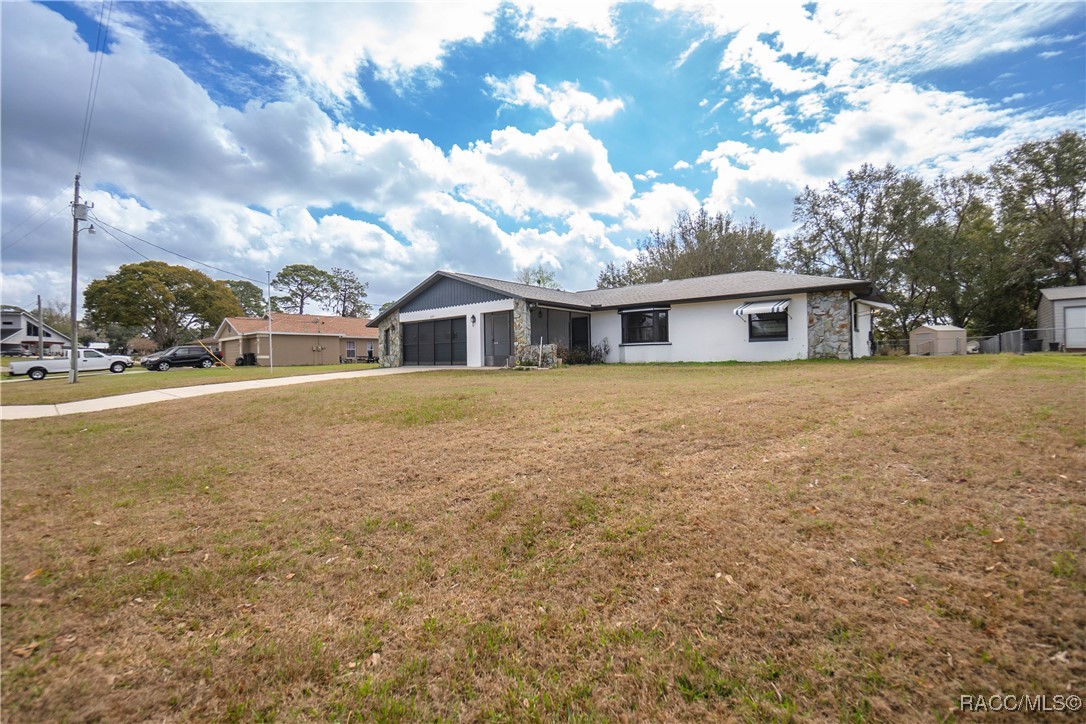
pixel 473 320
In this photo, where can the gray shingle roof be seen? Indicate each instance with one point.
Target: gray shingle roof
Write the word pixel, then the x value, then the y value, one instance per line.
pixel 718 286
pixel 1056 293
pixel 525 291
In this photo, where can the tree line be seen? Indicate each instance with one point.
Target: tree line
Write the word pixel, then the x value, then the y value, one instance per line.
pixel 972 250
pixel 171 304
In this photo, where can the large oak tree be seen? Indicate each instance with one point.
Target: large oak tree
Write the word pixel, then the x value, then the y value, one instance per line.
pixel 867 226
pixel 170 304
pixel 1042 198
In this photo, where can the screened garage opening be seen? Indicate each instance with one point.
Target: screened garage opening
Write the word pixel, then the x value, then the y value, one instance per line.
pixel 561 327
pixel 438 342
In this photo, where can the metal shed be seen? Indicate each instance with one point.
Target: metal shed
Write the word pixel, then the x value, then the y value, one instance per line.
pixel 1061 318
pixel 937 339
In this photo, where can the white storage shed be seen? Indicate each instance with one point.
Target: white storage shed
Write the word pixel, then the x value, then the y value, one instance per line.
pixel 937 339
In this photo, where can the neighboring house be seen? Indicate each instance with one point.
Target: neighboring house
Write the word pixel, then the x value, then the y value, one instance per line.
pixel 19 333
pixel 1061 317
pixel 296 339
pixel 935 340
pixel 461 319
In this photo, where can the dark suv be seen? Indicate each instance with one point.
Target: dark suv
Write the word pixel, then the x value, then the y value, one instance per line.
pixel 183 356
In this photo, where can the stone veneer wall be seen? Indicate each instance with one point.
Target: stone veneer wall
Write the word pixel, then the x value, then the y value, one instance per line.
pixel 829 325
pixel 392 357
pixel 529 355
pixel 522 334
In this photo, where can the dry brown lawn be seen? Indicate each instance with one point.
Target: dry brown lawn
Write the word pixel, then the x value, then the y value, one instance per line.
pixel 826 541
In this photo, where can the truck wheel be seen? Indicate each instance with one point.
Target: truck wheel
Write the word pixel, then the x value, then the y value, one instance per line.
pixel 118 367
pixel 38 373
pixel 207 363
pixel 162 366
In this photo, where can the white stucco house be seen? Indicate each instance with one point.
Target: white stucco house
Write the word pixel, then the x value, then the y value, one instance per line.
pixel 452 318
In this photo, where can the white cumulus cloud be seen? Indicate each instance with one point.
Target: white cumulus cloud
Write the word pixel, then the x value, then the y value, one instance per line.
pixel 325 44
pixel 567 103
pixel 557 172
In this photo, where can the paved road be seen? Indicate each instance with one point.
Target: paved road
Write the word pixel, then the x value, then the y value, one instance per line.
pixel 25 412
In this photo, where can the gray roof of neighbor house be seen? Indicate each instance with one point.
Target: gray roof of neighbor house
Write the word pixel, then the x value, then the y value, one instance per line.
pixel 1058 293
pixel 718 286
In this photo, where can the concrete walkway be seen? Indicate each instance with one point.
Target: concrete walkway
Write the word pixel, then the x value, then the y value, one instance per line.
pixel 26 412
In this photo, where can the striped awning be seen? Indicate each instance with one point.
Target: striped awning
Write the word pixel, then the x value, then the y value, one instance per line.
pixel 778 305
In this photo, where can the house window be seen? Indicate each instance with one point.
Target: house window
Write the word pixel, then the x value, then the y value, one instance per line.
pixel 387 349
pixel 770 326
pixel 369 349
pixel 350 348
pixel 646 326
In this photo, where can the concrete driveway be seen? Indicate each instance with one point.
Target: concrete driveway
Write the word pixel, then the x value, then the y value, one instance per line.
pixel 26 412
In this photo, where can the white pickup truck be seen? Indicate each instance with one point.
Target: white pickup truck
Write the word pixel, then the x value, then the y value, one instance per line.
pixel 89 360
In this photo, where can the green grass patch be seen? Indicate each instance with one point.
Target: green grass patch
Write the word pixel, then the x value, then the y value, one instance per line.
pixel 92 385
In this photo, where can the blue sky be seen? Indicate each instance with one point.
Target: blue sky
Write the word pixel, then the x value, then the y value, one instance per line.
pixel 399 138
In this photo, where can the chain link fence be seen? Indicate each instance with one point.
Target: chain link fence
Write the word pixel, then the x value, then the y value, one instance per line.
pixel 1016 341
pixel 1044 339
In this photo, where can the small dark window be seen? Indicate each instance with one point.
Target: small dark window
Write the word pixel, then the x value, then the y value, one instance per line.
pixel 769 326
pixel 644 327
pixel 388 343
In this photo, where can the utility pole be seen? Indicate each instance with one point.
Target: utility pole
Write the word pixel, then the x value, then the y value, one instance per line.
pixel 271 358
pixel 41 331
pixel 79 213
pixel 73 374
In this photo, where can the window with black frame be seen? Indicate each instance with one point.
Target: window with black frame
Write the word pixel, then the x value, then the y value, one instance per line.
pixel 646 326
pixel 769 326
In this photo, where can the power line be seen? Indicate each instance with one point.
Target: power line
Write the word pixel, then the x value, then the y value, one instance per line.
pixel 55 215
pixel 116 238
pixel 36 212
pixel 95 79
pixel 175 253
